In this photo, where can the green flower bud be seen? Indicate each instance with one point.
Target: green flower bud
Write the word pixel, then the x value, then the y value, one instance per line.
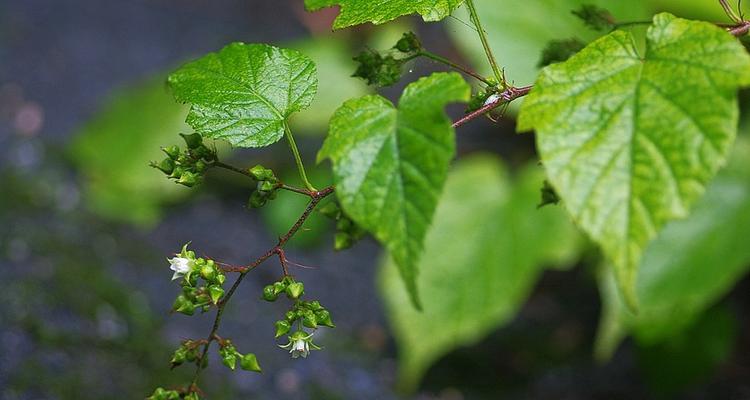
pixel 203 297
pixel 189 179
pixel 179 356
pixel 257 200
pixel 249 362
pixel 266 186
pixel 408 43
pixel 183 305
pixel 163 394
pixel 279 287
pixel 215 292
pixel 228 355
pixel 342 241
pixel 209 272
pixel 282 327
pixel 324 318
pixel 269 294
pixel 172 152
pixel 314 305
pixel 309 320
pixel 221 278
pixel 261 173
pixel 290 316
pixel 177 172
pixel 192 141
pixel 330 210
pixel 192 396
pixel 200 166
pixel 294 290
pixel 166 165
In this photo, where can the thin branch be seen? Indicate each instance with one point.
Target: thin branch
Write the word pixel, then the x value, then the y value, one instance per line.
pixel 505 97
pixel 740 29
pixel 316 197
pixel 467 71
pixel 485 43
pixel 246 173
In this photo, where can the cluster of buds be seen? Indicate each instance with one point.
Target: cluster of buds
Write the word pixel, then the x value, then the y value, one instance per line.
pixel 490 93
pixel 187 167
pixel 167 394
pixel 267 185
pixel 386 69
pixel 347 231
pixel 190 269
pixel 229 356
pixel 187 352
pixel 307 314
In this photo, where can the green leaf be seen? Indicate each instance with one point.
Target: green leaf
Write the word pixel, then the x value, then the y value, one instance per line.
pixel 355 12
pixel 390 163
pixel 483 254
pixel 245 92
pixel 692 264
pixel 630 141
pixel 519 31
pixel 113 150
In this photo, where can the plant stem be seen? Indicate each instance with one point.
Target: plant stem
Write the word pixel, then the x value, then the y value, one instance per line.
pixel 441 59
pixel 297 158
pixel 246 173
pixel 316 197
pixel 485 43
pixel 506 96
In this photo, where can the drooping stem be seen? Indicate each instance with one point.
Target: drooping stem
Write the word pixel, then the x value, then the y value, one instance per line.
pixel 485 43
pixel 315 199
pixel 441 59
pixel 297 158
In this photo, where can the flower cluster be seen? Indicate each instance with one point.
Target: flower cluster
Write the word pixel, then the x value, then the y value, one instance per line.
pixel 189 269
pixel 266 187
pixel 307 314
pixel 166 394
pixel 187 167
pixel 187 352
pixel 386 69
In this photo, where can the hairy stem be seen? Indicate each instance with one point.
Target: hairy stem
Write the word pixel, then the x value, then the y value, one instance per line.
pixel 315 198
pixel 506 96
pixel 485 43
pixel 441 59
pixel 297 158
pixel 246 173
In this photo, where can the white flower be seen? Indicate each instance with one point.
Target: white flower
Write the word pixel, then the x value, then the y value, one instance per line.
pixel 300 343
pixel 181 266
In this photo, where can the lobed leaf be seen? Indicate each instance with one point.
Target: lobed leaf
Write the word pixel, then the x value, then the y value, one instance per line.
pixel 629 141
pixel 245 92
pixel 390 163
pixel 355 12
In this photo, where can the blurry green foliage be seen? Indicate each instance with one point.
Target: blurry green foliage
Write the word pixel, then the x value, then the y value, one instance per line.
pixel 483 254
pixel 688 267
pixel 113 150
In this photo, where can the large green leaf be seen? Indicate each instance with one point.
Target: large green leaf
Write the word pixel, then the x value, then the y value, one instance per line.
pixel 245 92
pixel 518 33
pixel 629 141
pixel 390 163
pixel 692 264
pixel 355 12
pixel 482 256
pixel 113 150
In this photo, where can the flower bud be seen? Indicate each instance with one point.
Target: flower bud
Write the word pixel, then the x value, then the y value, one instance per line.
pixel 215 292
pixel 221 278
pixel 294 290
pixel 228 355
pixel 261 173
pixel 408 43
pixel 249 362
pixel 342 241
pixel 257 200
pixel 314 305
pixel 209 272
pixel 166 165
pixel 324 318
pixel 279 287
pixel 269 294
pixel 191 396
pixel 172 152
pixel 200 166
pixel 290 316
pixel 282 327
pixel 266 186
pixel 179 356
pixel 188 179
pixel 309 320
pixel 192 141
pixel 183 305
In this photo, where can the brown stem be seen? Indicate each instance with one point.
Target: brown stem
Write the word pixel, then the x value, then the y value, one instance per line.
pixel 246 173
pixel 316 197
pixel 506 96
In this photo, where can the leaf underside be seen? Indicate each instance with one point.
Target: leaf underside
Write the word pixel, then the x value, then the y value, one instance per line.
pixel 245 92
pixel 355 12
pixel 390 163
pixel 630 142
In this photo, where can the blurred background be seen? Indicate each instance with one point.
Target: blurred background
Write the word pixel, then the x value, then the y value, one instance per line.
pixel 86 225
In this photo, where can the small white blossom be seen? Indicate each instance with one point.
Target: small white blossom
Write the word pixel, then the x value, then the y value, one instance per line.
pixel 181 266
pixel 300 344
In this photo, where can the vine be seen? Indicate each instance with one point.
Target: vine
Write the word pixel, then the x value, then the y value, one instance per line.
pixel 625 145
